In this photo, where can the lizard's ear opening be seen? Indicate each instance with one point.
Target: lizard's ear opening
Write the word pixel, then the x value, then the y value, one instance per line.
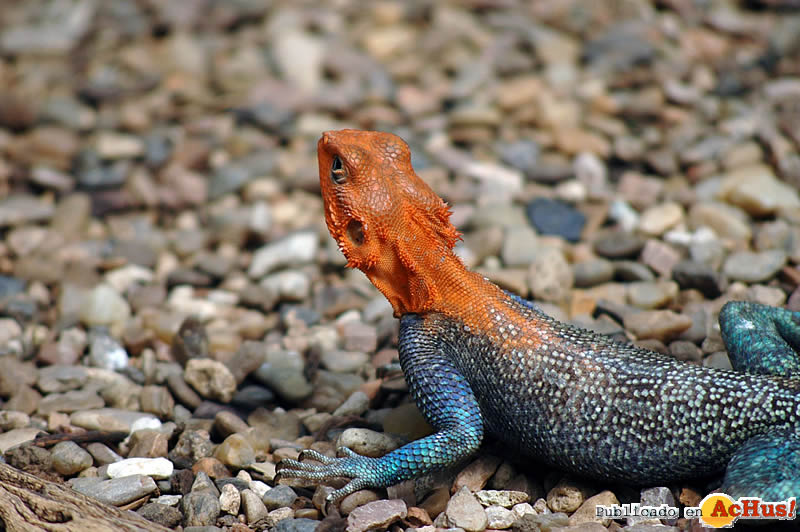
pixel 355 232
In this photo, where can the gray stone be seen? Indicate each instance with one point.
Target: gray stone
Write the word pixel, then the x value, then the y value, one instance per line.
pixel 118 491
pixel 298 248
pixel 750 267
pixel 69 458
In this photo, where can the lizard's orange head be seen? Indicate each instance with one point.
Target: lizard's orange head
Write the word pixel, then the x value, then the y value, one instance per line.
pixel 386 220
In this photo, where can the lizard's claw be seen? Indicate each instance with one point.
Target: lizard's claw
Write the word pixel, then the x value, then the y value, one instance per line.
pixel 361 469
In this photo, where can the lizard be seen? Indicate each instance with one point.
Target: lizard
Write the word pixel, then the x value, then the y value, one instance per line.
pixel 479 360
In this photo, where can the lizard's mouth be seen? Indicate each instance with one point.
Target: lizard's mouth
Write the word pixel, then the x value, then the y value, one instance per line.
pixel 355 232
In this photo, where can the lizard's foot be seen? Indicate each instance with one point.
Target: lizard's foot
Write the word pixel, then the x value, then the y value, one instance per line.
pixel 362 470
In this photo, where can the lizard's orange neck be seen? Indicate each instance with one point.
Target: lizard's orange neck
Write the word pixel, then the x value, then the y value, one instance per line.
pixel 434 281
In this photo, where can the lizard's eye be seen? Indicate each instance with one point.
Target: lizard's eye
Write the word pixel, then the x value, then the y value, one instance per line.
pixel 338 173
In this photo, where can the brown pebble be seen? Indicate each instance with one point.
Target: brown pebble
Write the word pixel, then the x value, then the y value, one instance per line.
pixel 212 467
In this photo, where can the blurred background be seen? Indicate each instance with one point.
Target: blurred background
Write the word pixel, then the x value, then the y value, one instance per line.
pixel 622 162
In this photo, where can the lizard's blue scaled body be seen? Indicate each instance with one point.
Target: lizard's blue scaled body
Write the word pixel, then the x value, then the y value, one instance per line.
pixel 586 404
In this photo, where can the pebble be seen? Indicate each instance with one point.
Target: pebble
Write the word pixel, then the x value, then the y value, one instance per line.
pixel 751 267
pixel 229 499
pixel 587 511
pixel 166 516
pixel 210 378
pixel 158 468
pixel 235 451
pixel 254 509
pixel 756 190
pixel 69 458
pixel 295 249
pixel 117 491
pixel 650 295
pixel 656 324
pixel 726 221
pixel 503 498
pixel 376 515
pixel 68 402
pixel 110 419
pixel 520 246
pixel 552 217
pixel 340 361
pixel 105 307
pixel 200 508
pixel 550 277
pixel 368 442
pixel 280 496
pixel 592 272
pixel 618 245
pixel 355 405
pixel 499 518
pixel 58 378
pixel 463 511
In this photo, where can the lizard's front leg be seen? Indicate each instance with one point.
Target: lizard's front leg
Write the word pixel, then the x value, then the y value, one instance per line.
pixel 445 399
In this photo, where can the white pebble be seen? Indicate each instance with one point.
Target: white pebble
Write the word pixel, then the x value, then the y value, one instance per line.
pixel 159 468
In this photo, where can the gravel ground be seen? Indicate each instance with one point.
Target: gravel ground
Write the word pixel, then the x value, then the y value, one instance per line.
pixel 165 271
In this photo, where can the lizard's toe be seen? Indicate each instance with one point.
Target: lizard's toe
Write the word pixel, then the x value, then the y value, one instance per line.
pixel 353 466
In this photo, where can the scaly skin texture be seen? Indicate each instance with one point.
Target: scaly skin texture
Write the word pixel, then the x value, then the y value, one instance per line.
pixel 479 360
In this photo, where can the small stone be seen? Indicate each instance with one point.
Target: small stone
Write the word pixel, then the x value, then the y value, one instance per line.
pixel 750 267
pixel 55 379
pixel 69 458
pixel 550 276
pixel 158 468
pixel 235 451
pixel 183 392
pixel 109 419
pixel 587 512
pixel 657 219
pixel 566 496
pixel 552 217
pixel 464 511
pixel 102 454
pixel 296 525
pixel 295 249
pixel 656 324
pixel 499 518
pixel 377 515
pixel 619 245
pixel 503 498
pixel 726 221
pixel 118 491
pixel 247 359
pixel 650 295
pixel 280 496
pixel 18 210
pixel 107 353
pixel 148 443
pixel 520 246
pixel 227 423
pixel 12 419
pixel 355 405
pixel 359 337
pixel 211 379
pixel 340 361
pixel 368 442
pixel 105 307
pixel 755 189
pixel 229 499
pixel 690 274
pixel 592 272
pixel 200 508
pixel 254 509
pixel 161 514
pixel 157 400
pixel 191 341
pixel 67 402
